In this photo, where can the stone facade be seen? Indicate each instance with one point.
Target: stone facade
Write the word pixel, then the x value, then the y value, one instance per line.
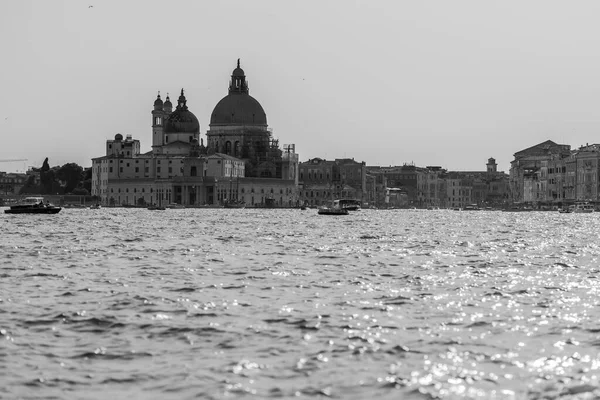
pixel 549 174
pixel 321 181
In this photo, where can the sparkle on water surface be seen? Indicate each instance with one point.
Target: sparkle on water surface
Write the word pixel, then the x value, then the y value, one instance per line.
pixel 224 304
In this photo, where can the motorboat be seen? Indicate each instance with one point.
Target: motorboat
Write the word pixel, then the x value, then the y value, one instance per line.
pixel 33 205
pixel 582 207
pixel 234 204
pixel 334 209
pixel 350 204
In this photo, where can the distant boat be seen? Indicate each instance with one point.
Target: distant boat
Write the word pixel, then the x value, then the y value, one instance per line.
pixel 33 205
pixel 350 204
pixel 156 208
pixel 175 205
pixel 582 207
pixel 334 209
pixel 95 207
pixel 234 204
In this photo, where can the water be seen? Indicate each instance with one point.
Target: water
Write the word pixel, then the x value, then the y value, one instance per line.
pixel 227 304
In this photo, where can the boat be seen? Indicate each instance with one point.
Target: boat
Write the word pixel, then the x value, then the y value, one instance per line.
pixel 234 204
pixel 33 205
pixel 156 208
pixel 334 209
pixel 350 204
pixel 175 205
pixel 95 207
pixel 582 207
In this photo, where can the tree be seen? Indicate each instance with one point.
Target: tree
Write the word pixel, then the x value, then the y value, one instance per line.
pixel 71 174
pixel 46 178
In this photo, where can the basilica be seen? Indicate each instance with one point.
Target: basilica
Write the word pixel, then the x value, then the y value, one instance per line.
pixel 241 162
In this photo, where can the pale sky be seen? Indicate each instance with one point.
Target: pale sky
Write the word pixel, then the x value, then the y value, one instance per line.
pixel 448 83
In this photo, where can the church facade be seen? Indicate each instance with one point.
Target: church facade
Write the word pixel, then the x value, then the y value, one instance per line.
pixel 241 163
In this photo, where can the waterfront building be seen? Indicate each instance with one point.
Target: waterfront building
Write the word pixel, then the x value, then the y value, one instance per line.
pixel 587 166
pixel 525 170
pixel 11 182
pixel 551 175
pixel 402 179
pixel 435 187
pixel 241 161
pixel 321 181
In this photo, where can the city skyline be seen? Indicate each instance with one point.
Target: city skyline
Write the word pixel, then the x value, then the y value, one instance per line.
pixel 383 82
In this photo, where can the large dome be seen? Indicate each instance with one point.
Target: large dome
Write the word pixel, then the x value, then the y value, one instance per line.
pixel 238 109
pixel 181 120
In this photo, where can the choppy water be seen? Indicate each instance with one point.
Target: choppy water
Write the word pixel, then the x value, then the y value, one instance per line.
pixel 223 304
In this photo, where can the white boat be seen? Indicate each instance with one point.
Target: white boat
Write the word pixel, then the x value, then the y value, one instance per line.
pixel 334 209
pixel 349 204
pixel 582 207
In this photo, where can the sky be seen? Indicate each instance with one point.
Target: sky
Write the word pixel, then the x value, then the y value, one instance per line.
pixel 433 82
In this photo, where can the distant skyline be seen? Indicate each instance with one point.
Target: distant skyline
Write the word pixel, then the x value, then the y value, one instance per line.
pixel 385 82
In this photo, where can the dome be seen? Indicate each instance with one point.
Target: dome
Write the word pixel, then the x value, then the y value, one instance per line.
pixel 158 103
pixel 168 102
pixel 118 137
pixel 238 72
pixel 238 109
pixel 181 120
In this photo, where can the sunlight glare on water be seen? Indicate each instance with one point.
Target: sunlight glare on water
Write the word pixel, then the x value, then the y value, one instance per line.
pixel 218 303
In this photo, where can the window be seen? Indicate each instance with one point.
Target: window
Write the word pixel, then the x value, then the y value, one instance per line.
pixel 166 139
pixel 121 169
pixel 109 169
pixel 158 169
pixel 137 169
pixel 170 170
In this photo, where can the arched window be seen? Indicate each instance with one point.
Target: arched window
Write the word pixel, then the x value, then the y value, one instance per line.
pixel 228 147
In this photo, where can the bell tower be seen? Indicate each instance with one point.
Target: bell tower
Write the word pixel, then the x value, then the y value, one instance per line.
pixel 492 167
pixel 158 118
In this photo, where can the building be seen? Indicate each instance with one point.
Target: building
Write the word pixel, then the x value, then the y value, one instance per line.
pixel 433 186
pixel 526 170
pixel 321 181
pixel 241 162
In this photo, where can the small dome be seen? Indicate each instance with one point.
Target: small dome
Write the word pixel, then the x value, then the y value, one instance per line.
pixel 168 103
pixel 181 120
pixel 238 71
pixel 158 103
pixel 118 137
